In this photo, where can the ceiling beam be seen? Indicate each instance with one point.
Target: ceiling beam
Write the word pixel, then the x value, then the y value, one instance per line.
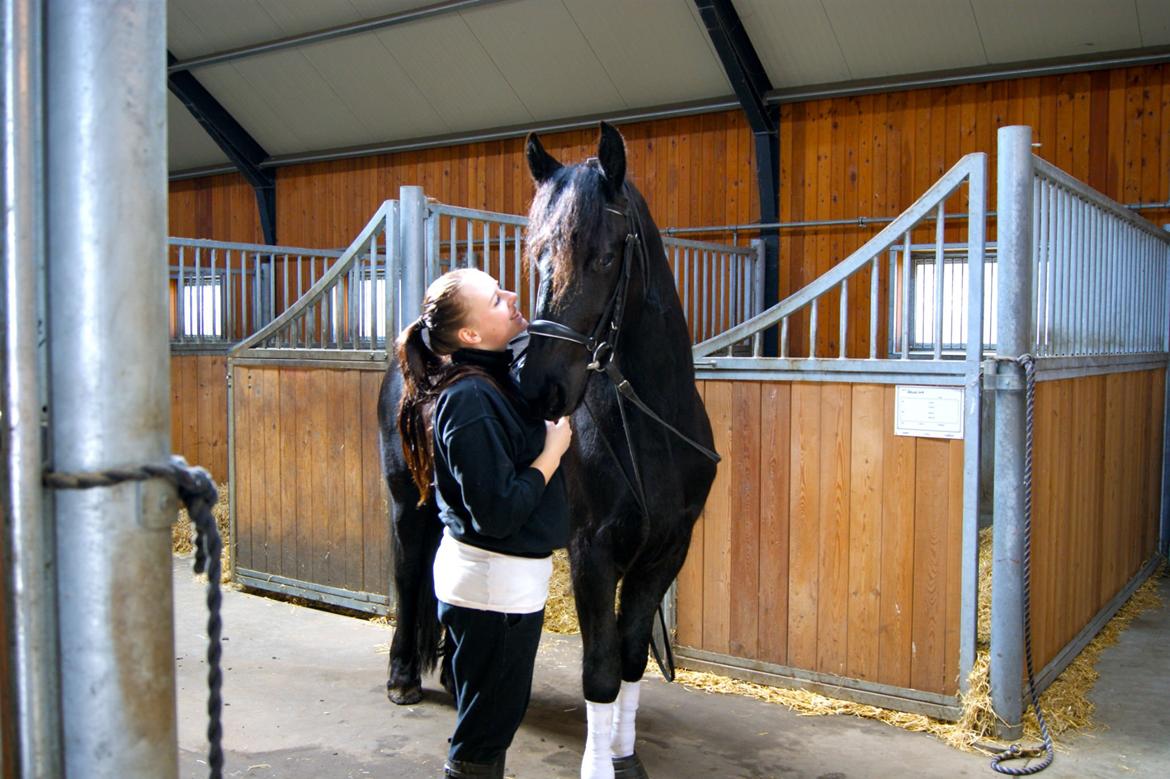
pixel 750 82
pixel 331 33
pixel 240 147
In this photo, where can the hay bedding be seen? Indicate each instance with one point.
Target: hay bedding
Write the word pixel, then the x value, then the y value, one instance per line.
pixel 183 532
pixel 1066 703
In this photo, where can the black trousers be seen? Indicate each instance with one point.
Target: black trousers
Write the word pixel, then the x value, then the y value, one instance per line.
pixel 491 667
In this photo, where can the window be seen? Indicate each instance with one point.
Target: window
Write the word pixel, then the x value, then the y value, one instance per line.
pixel 202 305
pixel 955 293
pixel 373 308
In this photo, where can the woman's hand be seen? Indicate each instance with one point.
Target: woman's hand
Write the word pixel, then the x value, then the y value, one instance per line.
pixel 557 436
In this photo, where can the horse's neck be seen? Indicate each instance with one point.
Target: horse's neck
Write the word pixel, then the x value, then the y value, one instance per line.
pixel 654 345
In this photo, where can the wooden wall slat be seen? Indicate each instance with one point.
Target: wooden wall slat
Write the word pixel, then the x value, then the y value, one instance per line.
pixel 375 539
pixel 897 557
pixel 717 526
pixel 775 432
pixel 292 408
pixel 744 463
pixel 804 525
pixel 930 509
pixel 689 617
pixel 833 595
pixel 865 530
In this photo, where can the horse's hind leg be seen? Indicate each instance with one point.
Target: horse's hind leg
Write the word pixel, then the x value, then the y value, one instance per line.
pixel 415 646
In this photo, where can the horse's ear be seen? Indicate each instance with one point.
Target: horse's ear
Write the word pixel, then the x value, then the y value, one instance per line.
pixel 611 153
pixel 540 163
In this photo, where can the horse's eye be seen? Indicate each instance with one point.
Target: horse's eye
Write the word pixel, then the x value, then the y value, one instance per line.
pixel 605 260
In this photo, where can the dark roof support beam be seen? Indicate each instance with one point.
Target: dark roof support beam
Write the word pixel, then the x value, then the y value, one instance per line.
pixel 240 147
pixel 751 84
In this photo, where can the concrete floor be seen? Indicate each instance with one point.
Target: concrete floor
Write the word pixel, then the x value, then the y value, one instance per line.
pixel 304 699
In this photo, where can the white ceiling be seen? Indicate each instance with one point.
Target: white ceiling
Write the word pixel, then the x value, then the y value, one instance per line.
pixel 518 62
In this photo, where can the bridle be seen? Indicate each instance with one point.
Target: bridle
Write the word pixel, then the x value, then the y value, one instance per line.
pixel 601 343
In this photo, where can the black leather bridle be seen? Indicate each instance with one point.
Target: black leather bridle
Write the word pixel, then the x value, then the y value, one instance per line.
pixel 601 343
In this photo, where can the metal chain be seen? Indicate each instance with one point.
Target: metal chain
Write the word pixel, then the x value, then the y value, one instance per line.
pixel 1015 751
pixel 197 491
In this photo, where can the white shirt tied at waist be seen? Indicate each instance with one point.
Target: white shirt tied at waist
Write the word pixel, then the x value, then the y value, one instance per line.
pixel 477 578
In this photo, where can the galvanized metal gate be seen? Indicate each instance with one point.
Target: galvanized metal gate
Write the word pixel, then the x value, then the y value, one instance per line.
pixel 307 499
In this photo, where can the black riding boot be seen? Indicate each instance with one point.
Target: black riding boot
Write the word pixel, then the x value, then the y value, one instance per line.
pixel 461 769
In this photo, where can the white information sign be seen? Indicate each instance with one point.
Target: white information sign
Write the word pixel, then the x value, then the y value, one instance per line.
pixel 929 412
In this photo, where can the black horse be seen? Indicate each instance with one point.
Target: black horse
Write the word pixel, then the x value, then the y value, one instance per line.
pixel 637 477
pixel 608 312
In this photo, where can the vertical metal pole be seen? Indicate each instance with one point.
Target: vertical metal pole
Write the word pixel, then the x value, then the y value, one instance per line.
pixel 1014 209
pixel 109 397
pixel 413 213
pixel 27 559
pixel 759 266
pixel 972 424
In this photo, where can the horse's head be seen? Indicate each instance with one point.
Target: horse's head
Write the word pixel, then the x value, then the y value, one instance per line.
pixel 577 232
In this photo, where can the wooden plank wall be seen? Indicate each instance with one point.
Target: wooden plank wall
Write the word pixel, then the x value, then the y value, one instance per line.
pixel 199 411
pixel 828 543
pixel 1097 495
pixel 871 155
pixel 310 503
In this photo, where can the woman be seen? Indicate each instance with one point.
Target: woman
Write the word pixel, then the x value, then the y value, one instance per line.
pixel 499 495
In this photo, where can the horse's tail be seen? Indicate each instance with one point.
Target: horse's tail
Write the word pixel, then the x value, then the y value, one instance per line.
pixel 416 532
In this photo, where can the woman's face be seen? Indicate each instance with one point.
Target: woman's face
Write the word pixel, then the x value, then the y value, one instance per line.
pixel 493 319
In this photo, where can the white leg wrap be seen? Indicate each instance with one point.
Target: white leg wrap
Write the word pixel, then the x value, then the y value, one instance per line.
pixel 624 715
pixel 597 763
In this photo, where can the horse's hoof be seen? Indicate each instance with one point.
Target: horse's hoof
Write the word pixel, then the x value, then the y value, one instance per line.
pixel 407 695
pixel 446 680
pixel 629 768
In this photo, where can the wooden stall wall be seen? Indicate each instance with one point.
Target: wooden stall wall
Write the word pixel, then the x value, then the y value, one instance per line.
pixel 310 503
pixel 1097 493
pixel 828 544
pixel 199 411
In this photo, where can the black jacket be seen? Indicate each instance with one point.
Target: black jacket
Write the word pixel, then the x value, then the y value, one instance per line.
pixel 485 440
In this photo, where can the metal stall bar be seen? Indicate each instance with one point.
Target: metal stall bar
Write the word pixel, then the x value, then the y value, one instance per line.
pixel 972 421
pixel 27 542
pixel 109 400
pixel 1014 214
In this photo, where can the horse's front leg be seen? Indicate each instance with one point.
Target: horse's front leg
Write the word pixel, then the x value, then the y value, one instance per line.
pixel 594 583
pixel 643 588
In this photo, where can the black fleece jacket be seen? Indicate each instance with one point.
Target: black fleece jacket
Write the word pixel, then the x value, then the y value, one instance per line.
pixel 488 493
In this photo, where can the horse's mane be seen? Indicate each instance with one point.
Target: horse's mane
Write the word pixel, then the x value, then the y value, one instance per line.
pixel 568 208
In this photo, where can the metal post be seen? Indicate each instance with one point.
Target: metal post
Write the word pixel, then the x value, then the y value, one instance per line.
pixel 1014 213
pixel 109 395
pixel 413 213
pixel 27 561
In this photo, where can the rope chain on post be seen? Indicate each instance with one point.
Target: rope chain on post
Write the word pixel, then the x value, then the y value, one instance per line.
pixel 1015 751
pixel 197 491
